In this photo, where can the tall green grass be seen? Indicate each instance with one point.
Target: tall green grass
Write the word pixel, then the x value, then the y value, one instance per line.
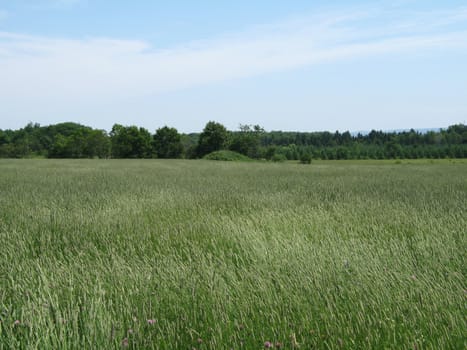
pixel 352 255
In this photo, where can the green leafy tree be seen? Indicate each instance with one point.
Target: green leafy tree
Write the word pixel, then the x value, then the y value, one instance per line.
pixel 305 158
pixel 269 152
pixel 59 148
pixel 213 138
pixel 393 149
pixel 190 145
pixel 130 142
pixel 247 140
pixel 97 144
pixel 167 143
pixel 83 142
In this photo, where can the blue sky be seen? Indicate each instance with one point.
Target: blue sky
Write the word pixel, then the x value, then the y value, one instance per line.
pixel 289 65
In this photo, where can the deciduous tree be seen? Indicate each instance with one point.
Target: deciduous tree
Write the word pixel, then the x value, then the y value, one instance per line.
pixel 167 143
pixel 213 138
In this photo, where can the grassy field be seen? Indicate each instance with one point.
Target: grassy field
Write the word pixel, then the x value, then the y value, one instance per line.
pixel 211 255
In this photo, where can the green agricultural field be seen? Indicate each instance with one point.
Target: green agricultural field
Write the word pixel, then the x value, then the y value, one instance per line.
pixel 152 254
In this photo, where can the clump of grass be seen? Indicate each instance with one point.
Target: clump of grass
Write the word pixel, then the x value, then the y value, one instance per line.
pixel 138 254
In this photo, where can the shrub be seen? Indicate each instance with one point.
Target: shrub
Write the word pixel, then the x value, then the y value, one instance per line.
pixel 305 158
pixel 226 156
pixel 279 157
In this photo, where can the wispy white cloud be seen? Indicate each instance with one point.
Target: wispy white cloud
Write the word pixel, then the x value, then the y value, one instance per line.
pixel 96 68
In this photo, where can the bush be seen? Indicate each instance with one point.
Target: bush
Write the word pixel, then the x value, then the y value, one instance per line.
pixel 305 158
pixel 279 157
pixel 226 156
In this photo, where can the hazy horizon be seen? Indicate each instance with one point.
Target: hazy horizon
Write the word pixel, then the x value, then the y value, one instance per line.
pixel 352 132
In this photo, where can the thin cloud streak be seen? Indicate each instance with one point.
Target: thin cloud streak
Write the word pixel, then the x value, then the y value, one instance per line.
pixel 100 68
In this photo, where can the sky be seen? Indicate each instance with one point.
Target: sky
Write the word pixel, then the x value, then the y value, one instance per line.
pixel 286 65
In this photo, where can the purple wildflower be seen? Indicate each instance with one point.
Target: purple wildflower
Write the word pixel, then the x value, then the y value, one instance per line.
pixel 125 342
pixel 267 344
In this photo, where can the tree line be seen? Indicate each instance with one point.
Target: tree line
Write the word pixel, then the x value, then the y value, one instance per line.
pixel 72 140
